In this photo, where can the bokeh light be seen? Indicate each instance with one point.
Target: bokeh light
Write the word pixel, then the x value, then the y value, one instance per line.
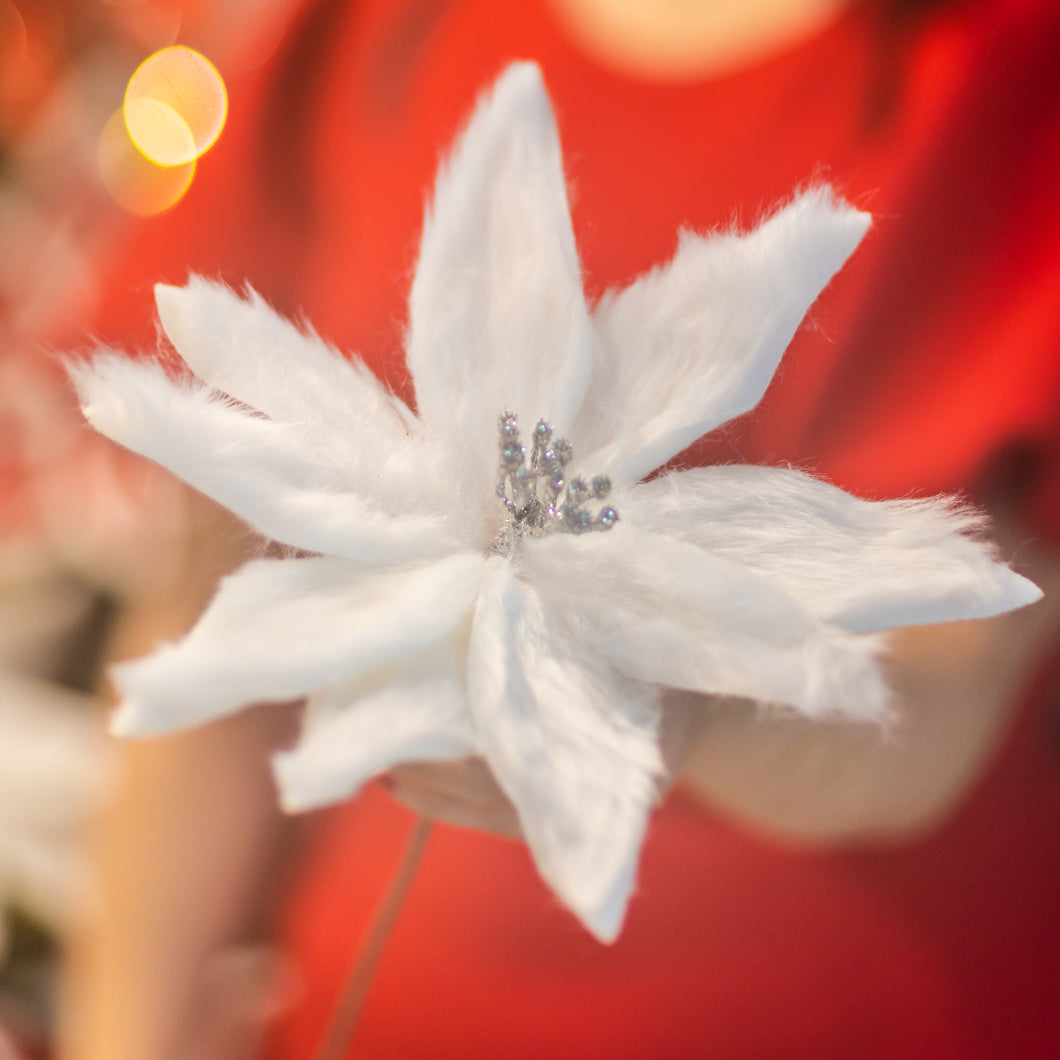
pixel 135 182
pixel 159 132
pixel 175 106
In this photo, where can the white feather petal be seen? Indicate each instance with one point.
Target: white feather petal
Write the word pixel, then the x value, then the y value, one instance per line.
pixel 336 406
pixel 352 733
pixel 253 466
pixel 862 565
pixel 243 347
pixel 694 343
pixel 282 629
pixel 668 612
pixel 571 742
pixel 498 320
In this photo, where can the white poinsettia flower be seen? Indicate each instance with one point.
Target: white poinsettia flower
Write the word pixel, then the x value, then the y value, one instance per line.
pixel 439 619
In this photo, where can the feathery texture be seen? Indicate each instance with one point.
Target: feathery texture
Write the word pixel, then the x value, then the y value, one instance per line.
pixel 354 731
pixel 260 638
pixel 257 467
pixel 571 744
pixel 498 270
pixel 679 364
pixel 440 621
pixel 241 348
pixel 673 614
pixel 860 565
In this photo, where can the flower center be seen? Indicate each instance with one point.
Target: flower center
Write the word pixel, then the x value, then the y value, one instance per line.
pixel 535 491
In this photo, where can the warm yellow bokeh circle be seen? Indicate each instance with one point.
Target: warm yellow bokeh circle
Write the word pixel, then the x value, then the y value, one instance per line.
pixel 136 183
pixel 175 106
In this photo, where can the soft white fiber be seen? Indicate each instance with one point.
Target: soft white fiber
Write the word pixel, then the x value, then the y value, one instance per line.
pixel 860 565
pixel 694 343
pixel 573 746
pixel 353 732
pixel 256 467
pixel 432 625
pixel 278 628
pixel 497 317
pixel 241 348
pixel 667 612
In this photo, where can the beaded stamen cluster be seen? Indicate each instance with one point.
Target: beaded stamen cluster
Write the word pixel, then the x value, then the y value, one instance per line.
pixel 535 491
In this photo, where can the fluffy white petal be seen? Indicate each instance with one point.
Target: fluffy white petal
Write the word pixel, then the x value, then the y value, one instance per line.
pixel 498 320
pixel 281 629
pixel 692 344
pixel 863 565
pixel 572 744
pixel 254 466
pixel 354 732
pixel 336 406
pixel 665 611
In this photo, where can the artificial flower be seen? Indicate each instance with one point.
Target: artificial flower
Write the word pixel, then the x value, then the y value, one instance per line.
pixel 493 574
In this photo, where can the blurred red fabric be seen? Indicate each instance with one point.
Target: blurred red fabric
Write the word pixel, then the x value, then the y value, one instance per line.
pixel 931 360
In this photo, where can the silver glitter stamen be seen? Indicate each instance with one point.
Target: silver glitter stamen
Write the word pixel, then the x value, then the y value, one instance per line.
pixel 535 491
